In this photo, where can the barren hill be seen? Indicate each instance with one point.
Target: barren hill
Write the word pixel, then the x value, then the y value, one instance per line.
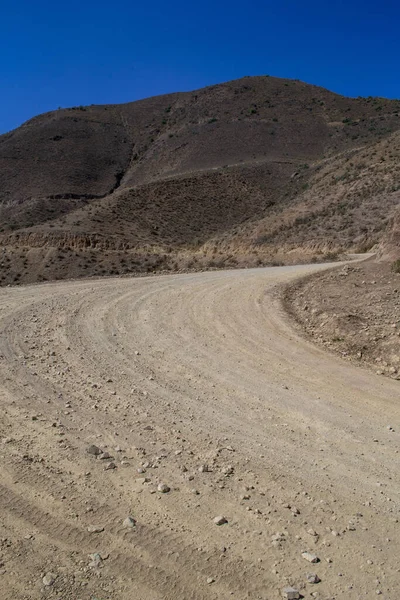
pixel 254 171
pixel 390 245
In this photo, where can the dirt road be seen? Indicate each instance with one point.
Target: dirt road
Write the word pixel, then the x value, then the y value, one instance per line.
pixel 200 383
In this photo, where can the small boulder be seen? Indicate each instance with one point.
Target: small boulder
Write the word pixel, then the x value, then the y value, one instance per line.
pixel 94 450
pixel 49 579
pixel 96 560
pixel 110 466
pixel 290 593
pixel 220 520
pixel 312 558
pixel 95 529
pixel 163 488
pixel 129 522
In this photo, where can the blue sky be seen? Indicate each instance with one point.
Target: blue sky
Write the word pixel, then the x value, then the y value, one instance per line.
pixel 71 53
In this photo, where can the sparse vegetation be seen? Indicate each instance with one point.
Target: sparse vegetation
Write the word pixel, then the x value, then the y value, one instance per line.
pixel 117 197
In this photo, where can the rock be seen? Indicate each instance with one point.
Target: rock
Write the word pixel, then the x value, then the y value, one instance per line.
pixel 109 466
pixel 49 579
pixel 310 557
pixel 163 488
pixel 220 520
pixel 210 580
pixel 94 450
pixel 204 469
pixel 312 578
pixel 290 593
pixel 96 560
pixel 95 529
pixel 104 455
pixel 228 470
pixel 129 522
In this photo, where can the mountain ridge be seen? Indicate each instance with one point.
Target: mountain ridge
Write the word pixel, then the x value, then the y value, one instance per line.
pixel 253 171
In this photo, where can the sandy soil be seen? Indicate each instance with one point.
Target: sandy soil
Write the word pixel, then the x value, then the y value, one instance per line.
pixel 171 375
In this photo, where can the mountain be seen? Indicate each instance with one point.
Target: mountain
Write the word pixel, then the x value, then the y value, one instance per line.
pixel 255 171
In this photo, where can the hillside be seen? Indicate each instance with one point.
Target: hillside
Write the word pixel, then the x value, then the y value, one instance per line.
pixel 390 245
pixel 255 171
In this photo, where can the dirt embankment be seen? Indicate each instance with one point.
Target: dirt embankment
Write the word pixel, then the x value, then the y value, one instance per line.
pixel 354 311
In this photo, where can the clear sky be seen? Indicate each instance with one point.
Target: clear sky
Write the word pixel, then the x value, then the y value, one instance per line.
pixel 93 52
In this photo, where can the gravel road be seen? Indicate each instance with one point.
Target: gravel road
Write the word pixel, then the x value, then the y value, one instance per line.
pixel 204 402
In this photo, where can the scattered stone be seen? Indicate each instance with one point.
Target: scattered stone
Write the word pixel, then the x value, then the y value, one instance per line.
pixel 109 466
pixel 335 533
pixel 163 488
pixel 312 578
pixel 210 580
pixel 94 450
pixel 104 455
pixel 228 470
pixel 129 522
pixel 220 520
pixel 204 469
pixel 96 560
pixel 290 593
pixel 49 579
pixel 312 558
pixel 95 529
pixel 312 532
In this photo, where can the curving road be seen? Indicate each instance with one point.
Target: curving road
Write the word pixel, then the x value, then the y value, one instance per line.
pixel 199 382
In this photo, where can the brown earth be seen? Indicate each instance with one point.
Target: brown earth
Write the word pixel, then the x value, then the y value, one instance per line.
pixel 168 374
pixel 250 172
pixel 353 311
pixel 389 249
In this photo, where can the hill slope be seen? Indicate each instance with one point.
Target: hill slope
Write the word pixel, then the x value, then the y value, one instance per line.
pixel 253 171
